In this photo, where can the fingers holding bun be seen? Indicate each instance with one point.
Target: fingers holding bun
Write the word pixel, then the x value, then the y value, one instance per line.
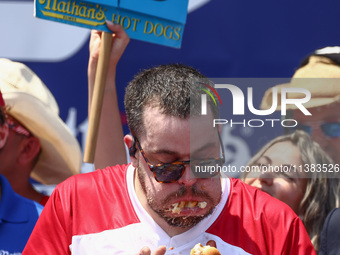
pixel 199 249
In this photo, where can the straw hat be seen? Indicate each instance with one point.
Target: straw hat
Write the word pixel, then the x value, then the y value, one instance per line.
pixel 30 102
pixel 319 73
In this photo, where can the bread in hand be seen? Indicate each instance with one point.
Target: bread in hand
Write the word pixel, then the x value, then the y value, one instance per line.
pixel 199 249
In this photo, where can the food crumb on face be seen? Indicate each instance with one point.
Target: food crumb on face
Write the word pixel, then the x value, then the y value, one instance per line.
pixel 177 207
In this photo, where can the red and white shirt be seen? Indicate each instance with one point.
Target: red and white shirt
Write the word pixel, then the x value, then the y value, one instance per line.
pixel 99 213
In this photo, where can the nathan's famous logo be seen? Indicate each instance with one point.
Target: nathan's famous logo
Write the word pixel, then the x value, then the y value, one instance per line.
pixel 94 15
pixel 239 105
pixel 63 10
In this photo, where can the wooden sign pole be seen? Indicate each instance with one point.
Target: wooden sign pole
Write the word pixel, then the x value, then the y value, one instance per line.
pixel 97 98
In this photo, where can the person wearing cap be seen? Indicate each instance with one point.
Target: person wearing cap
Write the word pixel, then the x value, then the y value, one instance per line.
pixel 319 73
pixel 39 144
pixel 18 215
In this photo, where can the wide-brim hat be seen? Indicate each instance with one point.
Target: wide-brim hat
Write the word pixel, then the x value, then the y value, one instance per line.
pixel 319 73
pixel 30 102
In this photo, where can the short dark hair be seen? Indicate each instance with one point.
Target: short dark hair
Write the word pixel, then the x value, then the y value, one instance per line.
pixel 170 87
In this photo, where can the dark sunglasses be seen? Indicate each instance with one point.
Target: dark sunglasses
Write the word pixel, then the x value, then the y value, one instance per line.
pixel 172 172
pixel 330 129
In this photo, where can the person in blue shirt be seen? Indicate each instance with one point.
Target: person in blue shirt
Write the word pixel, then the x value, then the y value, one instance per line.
pixel 18 215
pixel 40 147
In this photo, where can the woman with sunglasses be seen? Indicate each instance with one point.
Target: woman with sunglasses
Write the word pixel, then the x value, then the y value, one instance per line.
pixel 312 192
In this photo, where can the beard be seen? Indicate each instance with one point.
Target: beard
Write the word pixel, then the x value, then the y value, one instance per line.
pixel 175 221
pixel 182 221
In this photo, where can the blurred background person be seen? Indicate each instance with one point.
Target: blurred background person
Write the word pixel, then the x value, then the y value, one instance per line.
pixel 311 194
pixel 320 74
pixel 39 144
pixel 18 215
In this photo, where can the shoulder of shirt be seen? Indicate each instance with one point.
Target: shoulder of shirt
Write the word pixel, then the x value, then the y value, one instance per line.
pixel 33 205
pixel 259 200
pixel 18 205
pixel 85 180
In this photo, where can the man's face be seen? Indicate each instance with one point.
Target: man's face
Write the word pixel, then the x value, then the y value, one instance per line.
pixel 10 150
pixel 320 115
pixel 188 200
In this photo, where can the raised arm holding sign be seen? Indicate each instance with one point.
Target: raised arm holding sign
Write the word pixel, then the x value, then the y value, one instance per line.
pixel 111 150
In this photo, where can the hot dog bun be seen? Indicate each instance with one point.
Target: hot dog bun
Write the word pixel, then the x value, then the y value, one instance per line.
pixel 199 249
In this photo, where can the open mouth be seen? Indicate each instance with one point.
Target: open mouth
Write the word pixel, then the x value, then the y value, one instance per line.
pixel 178 207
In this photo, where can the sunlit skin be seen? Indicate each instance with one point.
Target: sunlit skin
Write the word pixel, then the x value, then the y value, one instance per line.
pixel 165 140
pixel 9 153
pixel 287 187
pixel 327 113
